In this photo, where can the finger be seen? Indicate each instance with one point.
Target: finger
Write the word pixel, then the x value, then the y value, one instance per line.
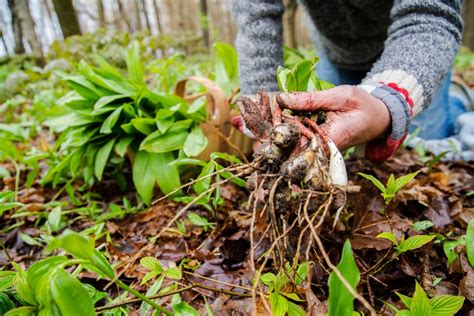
pixel 310 101
pixel 263 103
pixel 338 131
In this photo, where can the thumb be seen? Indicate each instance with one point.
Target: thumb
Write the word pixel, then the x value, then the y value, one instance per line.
pixel 307 101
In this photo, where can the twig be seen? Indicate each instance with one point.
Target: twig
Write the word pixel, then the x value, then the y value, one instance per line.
pixel 335 269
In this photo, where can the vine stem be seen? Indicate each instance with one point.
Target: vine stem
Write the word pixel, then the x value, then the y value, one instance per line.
pixel 144 298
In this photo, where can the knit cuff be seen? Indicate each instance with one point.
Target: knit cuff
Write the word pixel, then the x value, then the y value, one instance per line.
pixel 399 105
pixel 405 83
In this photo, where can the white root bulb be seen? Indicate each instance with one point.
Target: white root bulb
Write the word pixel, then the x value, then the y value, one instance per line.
pixel 337 167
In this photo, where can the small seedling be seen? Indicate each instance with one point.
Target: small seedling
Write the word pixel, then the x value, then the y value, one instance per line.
pixel 412 243
pixel 420 304
pixel 393 185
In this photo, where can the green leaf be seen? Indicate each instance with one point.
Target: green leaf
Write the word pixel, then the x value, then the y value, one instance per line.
pixel 295 310
pixel 199 220
pixel 22 286
pixel 102 157
pixel 143 176
pixel 445 305
pixel 110 121
pixel 225 67
pixel 405 299
pixel 470 242
pixel 163 143
pixel 302 72
pixel 414 242
pixel 195 142
pixel 106 100
pixel 151 263
pixel 69 294
pixel 181 308
pixel 167 175
pixel 391 185
pixel 422 225
pixel 174 273
pixel 6 303
pixel 374 180
pixel 145 126
pixel 341 301
pixel 269 279
pixel 279 304
pixel 402 181
pixel 154 288
pixel 420 304
pixel 449 247
pixel 22 311
pixel 54 218
pixel 390 236
pixel 6 280
pixel 204 180
pixel 302 272
pixel 404 312
pixel 122 145
pixel 134 65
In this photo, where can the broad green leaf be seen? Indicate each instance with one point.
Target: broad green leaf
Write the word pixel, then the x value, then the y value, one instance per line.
pixel 181 308
pixel 6 303
pixel 148 276
pixel 449 247
pixel 167 142
pixel 22 311
pixel 143 176
pixel 225 67
pixel 402 181
pixel 414 242
pixel 295 310
pixel 405 299
pixel 102 157
pixel 204 180
pixel 107 100
pixel 167 175
pixel 22 286
pixel 470 242
pixel 6 280
pixel 226 157
pixel 84 87
pixel 195 142
pixel 54 218
pixel 134 65
pixel 422 225
pixel 154 288
pixel 445 305
pixel 122 145
pixel 282 78
pixel 420 304
pixel 404 312
pixel 374 180
pixel 269 279
pixel 69 295
pixel 388 235
pixel 341 301
pixel 391 185
pixel 151 263
pixel 173 273
pixel 302 72
pixel 110 121
pixel 144 125
pixel 69 120
pixel 279 304
pixel 302 272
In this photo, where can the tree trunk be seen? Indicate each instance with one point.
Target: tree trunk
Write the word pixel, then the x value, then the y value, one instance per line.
pixel 137 23
pixel 16 26
pixel 145 13
pixel 204 22
pixel 468 17
pixel 124 15
pixel 67 17
pixel 157 16
pixel 24 27
pixel 100 10
pixel 289 22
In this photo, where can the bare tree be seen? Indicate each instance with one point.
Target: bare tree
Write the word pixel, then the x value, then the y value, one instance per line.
pixel 204 22
pixel 145 14
pixel 468 17
pixel 137 22
pixel 157 15
pixel 24 27
pixel 100 10
pixel 124 15
pixel 289 22
pixel 67 17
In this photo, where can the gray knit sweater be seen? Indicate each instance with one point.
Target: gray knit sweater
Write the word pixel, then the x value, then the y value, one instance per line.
pixel 411 43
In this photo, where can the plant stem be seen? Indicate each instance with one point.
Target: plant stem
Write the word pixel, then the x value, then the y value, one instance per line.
pixel 142 297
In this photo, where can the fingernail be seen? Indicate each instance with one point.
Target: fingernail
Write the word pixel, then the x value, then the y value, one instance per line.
pixel 283 98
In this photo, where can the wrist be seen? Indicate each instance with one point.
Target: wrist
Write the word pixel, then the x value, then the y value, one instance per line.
pixel 399 105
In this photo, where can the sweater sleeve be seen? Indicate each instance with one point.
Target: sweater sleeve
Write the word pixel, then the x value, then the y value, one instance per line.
pixel 259 43
pixel 423 39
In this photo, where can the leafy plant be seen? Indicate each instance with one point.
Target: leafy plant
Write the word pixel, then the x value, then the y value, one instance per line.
pixel 449 248
pixel 157 270
pixel 113 116
pixel 301 77
pixel 280 299
pixel 341 301
pixel 393 185
pixel 412 243
pixel 470 242
pixel 421 305
pixel 422 225
pixel 226 67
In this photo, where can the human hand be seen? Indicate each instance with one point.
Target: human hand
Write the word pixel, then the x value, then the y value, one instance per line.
pixel 353 116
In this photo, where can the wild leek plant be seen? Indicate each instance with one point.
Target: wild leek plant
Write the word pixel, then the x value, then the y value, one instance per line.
pixel 113 116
